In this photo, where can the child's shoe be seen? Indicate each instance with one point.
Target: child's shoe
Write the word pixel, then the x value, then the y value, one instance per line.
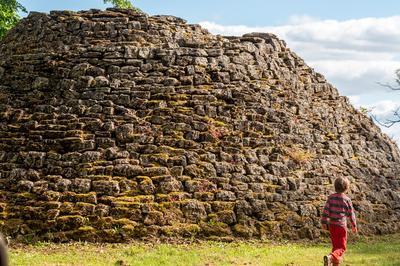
pixel 328 260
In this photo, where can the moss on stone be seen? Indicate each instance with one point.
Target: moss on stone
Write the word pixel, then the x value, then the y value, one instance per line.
pixel 242 231
pixel 26 196
pixel 71 221
pixel 100 177
pixel 214 228
pixel 181 230
pixel 86 229
pixel 87 197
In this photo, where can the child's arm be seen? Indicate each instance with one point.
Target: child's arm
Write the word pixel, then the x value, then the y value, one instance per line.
pixel 325 216
pixel 352 216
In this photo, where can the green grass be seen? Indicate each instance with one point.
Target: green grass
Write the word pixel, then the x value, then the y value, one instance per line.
pixel 366 251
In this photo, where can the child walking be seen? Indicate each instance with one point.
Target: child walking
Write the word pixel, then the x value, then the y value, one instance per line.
pixel 337 209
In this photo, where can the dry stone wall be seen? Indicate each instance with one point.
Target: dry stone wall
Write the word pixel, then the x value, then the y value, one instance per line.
pixel 117 125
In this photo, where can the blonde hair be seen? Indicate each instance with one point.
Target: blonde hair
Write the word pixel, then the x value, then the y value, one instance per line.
pixel 341 184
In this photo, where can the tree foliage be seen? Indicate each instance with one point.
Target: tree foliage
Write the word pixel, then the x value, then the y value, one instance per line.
pixel 120 3
pixel 9 10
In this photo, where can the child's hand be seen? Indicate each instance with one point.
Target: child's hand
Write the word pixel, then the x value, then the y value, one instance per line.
pixel 354 230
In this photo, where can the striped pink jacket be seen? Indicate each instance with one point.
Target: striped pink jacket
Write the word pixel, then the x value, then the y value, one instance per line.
pixel 337 209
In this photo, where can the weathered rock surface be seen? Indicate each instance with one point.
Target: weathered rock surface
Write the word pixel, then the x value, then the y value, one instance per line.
pixel 117 125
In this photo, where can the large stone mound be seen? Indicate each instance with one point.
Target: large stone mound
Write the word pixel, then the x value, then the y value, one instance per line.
pixel 118 125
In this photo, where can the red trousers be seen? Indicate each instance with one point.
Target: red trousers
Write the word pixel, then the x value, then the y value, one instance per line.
pixel 339 240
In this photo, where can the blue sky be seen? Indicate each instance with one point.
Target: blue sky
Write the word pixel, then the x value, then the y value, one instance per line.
pixel 353 43
pixel 250 12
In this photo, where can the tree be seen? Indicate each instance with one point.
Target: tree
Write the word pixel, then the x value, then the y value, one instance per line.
pixel 9 16
pixel 396 114
pixel 120 3
pixel 9 12
pixel 397 80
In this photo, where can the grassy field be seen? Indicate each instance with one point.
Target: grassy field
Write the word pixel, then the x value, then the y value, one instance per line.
pixel 365 251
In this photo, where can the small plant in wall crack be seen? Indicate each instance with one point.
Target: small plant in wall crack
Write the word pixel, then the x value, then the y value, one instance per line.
pixel 218 132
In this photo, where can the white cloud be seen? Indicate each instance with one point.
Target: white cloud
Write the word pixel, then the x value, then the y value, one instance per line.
pixel 349 53
pixel 301 19
pixel 355 100
pixel 374 34
pixel 382 112
pixel 354 69
pixel 393 132
pixel 384 109
pixel 353 55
